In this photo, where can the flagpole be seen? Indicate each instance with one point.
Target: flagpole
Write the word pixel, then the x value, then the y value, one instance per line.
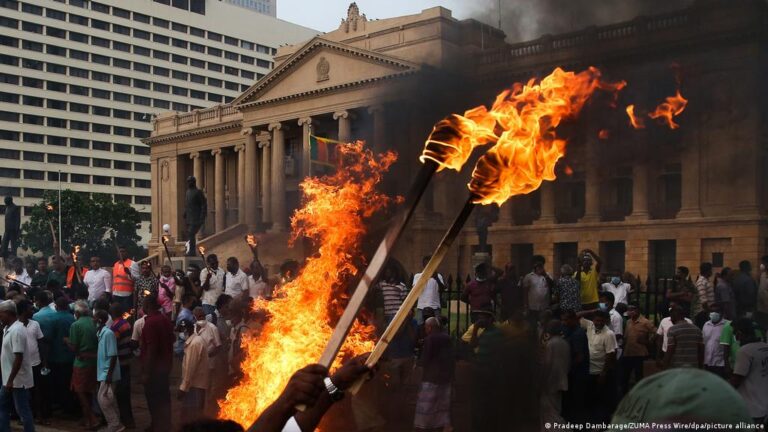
pixel 60 252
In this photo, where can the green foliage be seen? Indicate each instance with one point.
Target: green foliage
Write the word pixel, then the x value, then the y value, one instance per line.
pixel 92 221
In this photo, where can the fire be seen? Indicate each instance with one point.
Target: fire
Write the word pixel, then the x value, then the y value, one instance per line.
pixel 75 252
pixel 10 277
pixel 568 170
pixel 201 249
pixel 165 239
pixel 251 240
pixel 604 134
pixel 332 215
pixel 49 207
pixel 672 107
pixel 635 121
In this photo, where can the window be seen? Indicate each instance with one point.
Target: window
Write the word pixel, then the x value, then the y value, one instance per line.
pixel 180 91
pixel 247 59
pixel 179 27
pixel 214 67
pixel 78 19
pixel 161 39
pixel 157 103
pixel 33 192
pixel 180 59
pixel 101 94
pixel 123 165
pixel 122 148
pixel 9 41
pixel 141 34
pixel 9 79
pixel 119 29
pixel 122 181
pixel 123 114
pixel 161 71
pixel 56 68
pixel 100 42
pixel 213 82
pixel 30 8
pixel 144 184
pixel 262 49
pixel 141 133
pixel 102 128
pixel 78 107
pixel 197 47
pixel 33 101
pixel 141 100
pixel 34 138
pixel 197 94
pixel 80 178
pixel 102 180
pixel 197 32
pixel 79 90
pixel 32 46
pixel 247 45
pixel 122 198
pixel 160 55
pixel 231 56
pixel 263 63
pixel 79 55
pixel 213 97
pixel 34 175
pixel 231 85
pixel 10 4
pixel 78 37
pixel 9 116
pixel 79 3
pixel 9 22
pixel 141 18
pixel 55 32
pixel 121 97
pixel 9 98
pixel 9 135
pixel 102 111
pixel 54 176
pixel 99 7
pixel 102 163
pixel 142 84
pixel 101 145
pixel 214 36
pixel 122 131
pixel 31 27
pixel 160 22
pixel 79 143
pixel 141 167
pixel 141 51
pixel 57 141
pixel 197 63
pixel 165 88
pixel 121 46
pixel 231 71
pixel 56 86
pixel 9 154
pixel 180 43
pixel 122 13
pixel 230 41
pixel 79 125
pixel 99 24
pixel 214 51
pixel 197 78
pixel 55 14
pixel 80 161
pixel 77 72
pixel 118 62
pixel 100 59
pixel 141 150
pixel 141 67
pixel 101 76
pixel 180 75
pixel 247 74
pixel 32 82
pixel 32 119
pixel 10 172
pixel 142 200
pixel 197 6
pixel 32 64
pixel 57 158
pixel 56 104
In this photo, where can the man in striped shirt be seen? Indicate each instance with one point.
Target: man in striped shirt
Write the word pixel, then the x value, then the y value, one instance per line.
pixel 685 344
pixel 123 332
pixel 393 293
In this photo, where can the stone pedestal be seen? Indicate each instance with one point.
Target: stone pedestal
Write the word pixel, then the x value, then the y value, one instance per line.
pixel 183 262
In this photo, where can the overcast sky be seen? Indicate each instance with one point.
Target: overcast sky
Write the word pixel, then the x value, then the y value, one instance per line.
pixel 325 15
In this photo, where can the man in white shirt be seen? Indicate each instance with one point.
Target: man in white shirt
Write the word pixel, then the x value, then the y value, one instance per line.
pixel 235 280
pixel 20 274
pixel 619 289
pixel 257 287
pixel 16 370
pixel 537 287
pixel 616 322
pixel 97 280
pixel 430 297
pixel 602 361
pixel 212 278
pixel 714 361
pixel 750 372
pixel 209 333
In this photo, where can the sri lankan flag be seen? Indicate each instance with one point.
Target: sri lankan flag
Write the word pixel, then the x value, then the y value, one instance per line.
pixel 322 154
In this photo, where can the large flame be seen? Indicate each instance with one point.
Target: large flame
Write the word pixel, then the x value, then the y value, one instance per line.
pixel 250 239
pixel 635 121
pixel 521 123
pixel 302 314
pixel 671 107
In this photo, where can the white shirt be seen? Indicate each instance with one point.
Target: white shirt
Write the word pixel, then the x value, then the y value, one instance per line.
pixel 430 297
pixel 23 277
pixel 537 290
pixel 664 326
pixel 713 351
pixel 617 323
pixel 601 343
pixel 15 342
pixel 235 284
pixel 98 282
pixel 619 292
pixel 257 288
pixel 752 364
pixel 34 334
pixel 210 335
pixel 216 286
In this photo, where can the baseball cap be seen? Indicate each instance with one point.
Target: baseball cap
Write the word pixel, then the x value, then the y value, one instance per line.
pixel 681 394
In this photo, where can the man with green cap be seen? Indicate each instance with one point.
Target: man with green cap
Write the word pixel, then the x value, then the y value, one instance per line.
pixel 670 397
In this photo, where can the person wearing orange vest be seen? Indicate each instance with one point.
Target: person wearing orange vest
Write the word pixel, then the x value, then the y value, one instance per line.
pixel 122 281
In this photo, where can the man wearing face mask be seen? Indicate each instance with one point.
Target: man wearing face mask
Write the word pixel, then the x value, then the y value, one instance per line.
pixel 761 314
pixel 619 289
pixel 713 329
pixel 480 292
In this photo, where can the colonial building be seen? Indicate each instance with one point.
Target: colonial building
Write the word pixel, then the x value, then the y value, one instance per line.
pixel 646 200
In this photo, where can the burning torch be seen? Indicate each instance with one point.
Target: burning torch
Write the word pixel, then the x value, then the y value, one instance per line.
pixel 12 280
pixel 167 252
pixel 253 244
pixel 49 212
pixel 76 263
pixel 201 250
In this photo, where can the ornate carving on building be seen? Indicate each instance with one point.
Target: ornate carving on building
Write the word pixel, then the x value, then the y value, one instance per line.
pixel 354 21
pixel 323 68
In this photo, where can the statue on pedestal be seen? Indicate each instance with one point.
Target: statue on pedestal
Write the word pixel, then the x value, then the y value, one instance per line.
pixel 195 211
pixel 12 227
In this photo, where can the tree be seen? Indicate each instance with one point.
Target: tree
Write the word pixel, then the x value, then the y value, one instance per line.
pixel 92 221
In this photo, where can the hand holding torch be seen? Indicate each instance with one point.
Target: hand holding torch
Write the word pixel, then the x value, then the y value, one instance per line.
pixel 253 244
pixel 76 263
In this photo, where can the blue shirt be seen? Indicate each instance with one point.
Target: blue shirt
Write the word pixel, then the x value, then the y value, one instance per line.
pixel 185 315
pixel 55 326
pixel 107 350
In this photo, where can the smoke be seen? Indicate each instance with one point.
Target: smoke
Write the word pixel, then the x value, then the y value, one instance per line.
pixel 524 20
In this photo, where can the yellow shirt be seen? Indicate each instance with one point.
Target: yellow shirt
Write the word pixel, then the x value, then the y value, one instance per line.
pixel 589 287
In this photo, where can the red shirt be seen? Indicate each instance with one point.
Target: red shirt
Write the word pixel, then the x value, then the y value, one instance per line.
pixel 157 344
pixel 479 295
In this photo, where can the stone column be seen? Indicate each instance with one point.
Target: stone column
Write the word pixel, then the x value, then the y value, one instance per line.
pixel 345 125
pixel 592 183
pixel 547 213
pixel 278 177
pixel 197 168
pixel 218 194
pixel 379 128
pixel 266 180
pixel 306 153
pixel 690 206
pixel 240 150
pixel 639 191
pixel 250 178
pixel 157 205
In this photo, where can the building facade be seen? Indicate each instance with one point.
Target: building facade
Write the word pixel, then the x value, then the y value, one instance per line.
pixel 647 200
pixel 267 7
pixel 80 82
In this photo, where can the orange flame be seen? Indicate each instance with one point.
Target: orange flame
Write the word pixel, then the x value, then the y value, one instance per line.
pixel 332 215
pixel 604 134
pixel 165 239
pixel 10 277
pixel 672 107
pixel 635 121
pixel 49 207
pixel 251 240
pixel 568 170
pixel 201 249
pixel 75 252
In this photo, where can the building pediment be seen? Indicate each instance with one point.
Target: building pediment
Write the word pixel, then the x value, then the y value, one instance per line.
pixel 321 66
